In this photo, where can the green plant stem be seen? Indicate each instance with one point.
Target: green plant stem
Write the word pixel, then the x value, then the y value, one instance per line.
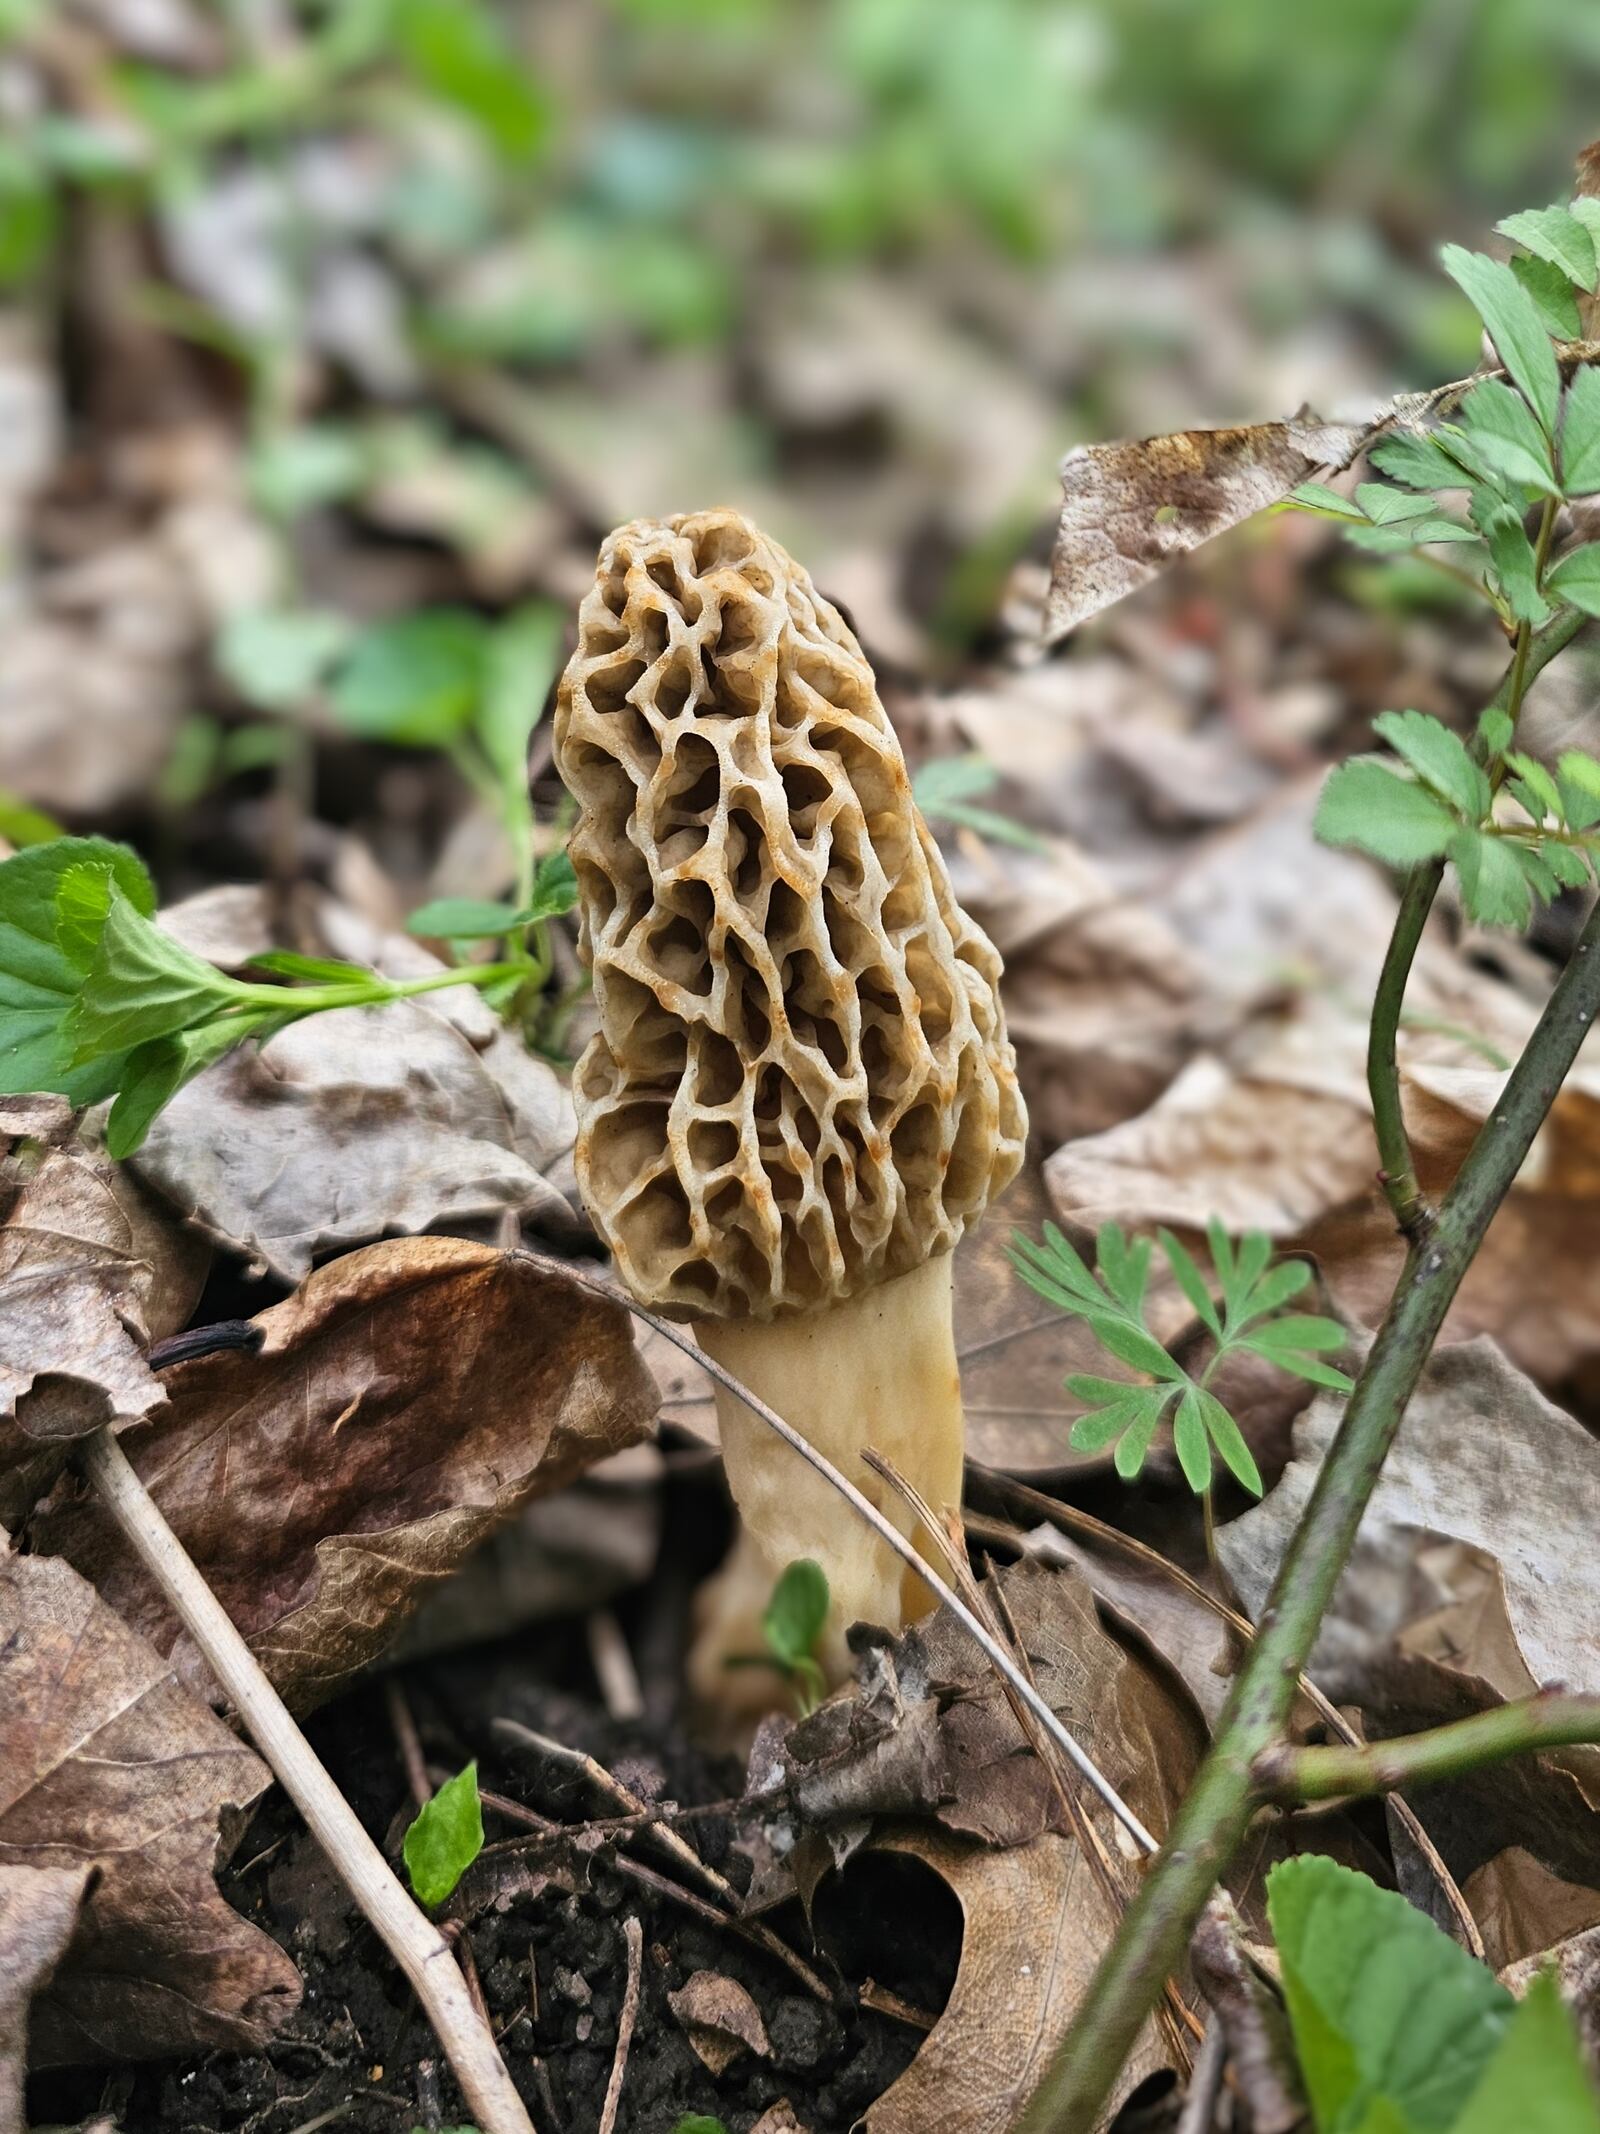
pixel 1552 1720
pixel 1397 1172
pixel 373 993
pixel 1150 1943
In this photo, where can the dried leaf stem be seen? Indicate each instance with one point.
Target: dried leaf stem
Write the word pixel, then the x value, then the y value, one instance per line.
pixel 415 1943
pixel 1551 1720
pixel 1212 1821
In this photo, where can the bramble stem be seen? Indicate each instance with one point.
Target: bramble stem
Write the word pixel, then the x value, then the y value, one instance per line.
pixel 412 1940
pixel 1551 1720
pixel 1150 1943
pixel 1397 1172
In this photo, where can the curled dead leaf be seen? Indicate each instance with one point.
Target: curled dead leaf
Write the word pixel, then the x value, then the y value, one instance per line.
pixel 405 1402
pixel 107 1762
pixel 720 2018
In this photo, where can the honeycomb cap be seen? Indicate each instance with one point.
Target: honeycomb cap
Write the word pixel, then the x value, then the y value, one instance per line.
pixel 801 1085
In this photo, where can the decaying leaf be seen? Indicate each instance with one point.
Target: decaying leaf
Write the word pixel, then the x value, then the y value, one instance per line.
pixel 107 1762
pixel 358 1123
pixel 720 2018
pixel 90 1271
pixel 1130 510
pixel 405 1402
pixel 1036 1922
pixel 38 1912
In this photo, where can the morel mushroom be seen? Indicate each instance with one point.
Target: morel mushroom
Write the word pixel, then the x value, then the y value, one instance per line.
pixel 801 1092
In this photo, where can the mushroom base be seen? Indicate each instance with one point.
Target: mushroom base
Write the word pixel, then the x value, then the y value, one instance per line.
pixel 878 1370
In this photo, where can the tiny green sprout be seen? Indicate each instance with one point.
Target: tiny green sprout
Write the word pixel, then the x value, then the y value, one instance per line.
pixel 445 1838
pixel 947 790
pixel 699 2123
pixel 1249 1315
pixel 792 1624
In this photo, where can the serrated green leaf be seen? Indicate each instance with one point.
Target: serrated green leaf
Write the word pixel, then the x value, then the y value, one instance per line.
pixel 446 1837
pixel 1384 2007
pixel 1576 578
pixel 797 1612
pixel 42 974
pixel 1537 872
pixel 275 658
pixel 1190 1443
pixel 1536 2081
pixel 1511 552
pixel 1547 801
pixel 141 984
pixel 155 1072
pixel 1388 507
pixel 1418 460
pixel 1553 296
pixel 1366 804
pixel 1578 776
pixel 1496 729
pixel 1438 757
pixel 1514 325
pixel 1567 865
pixel 1580 434
pixel 521 663
pixel 1191 1281
pixel 1494 889
pixel 416 681
pixel 1325 502
pixel 1228 1438
pixel 1505 435
pixel 1416 533
pixel 1555 234
pixel 463 919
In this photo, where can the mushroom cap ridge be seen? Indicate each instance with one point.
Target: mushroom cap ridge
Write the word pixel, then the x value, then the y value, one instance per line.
pixel 801 1085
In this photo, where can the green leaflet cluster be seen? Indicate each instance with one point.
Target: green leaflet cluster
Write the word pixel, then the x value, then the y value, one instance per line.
pixel 1249 1314
pixel 1485 489
pixel 1399 2031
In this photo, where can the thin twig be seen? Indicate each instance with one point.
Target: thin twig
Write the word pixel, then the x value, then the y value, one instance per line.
pixel 1208 1828
pixel 613 1666
pixel 1551 1720
pixel 415 1943
pixel 633 1935
pixel 885 1529
pixel 407 1740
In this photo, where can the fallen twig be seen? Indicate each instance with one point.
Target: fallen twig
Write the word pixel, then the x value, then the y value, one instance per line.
pixel 415 1943
pixel 633 1935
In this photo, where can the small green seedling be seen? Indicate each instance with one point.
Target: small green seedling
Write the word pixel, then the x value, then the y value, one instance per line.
pixel 446 1838
pixel 1397 2028
pixel 948 790
pixel 792 1624
pixel 699 2123
pixel 1249 1314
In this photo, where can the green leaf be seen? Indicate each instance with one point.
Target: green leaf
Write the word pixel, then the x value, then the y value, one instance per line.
pixel 1307 1367
pixel 1505 433
pixel 1054 1269
pixel 155 1072
pixel 464 919
pixel 1300 1330
pixel 1542 796
pixel 416 681
pixel 1273 1291
pixel 1586 209
pixel 797 1612
pixel 1190 1442
pixel 1512 554
pixel 699 2123
pixel 1418 460
pixel 1191 1281
pixel 42 969
pixel 1083 1385
pixel 555 887
pixel 320 463
pixel 446 1837
pixel 141 984
pixel 1094 1430
pixel 1494 889
pixel 275 658
pixel 1134 1443
pixel 459 50
pixel 1228 1438
pixel 1513 324
pixel 1537 2081
pixel 1123 1268
pixel 1555 234
pixel 1222 1255
pixel 1131 1344
pixel 523 657
pixel 1580 434
pixel 1552 295
pixel 1369 806
pixel 1495 730
pixel 1576 578
pixel 1578 776
pixel 1438 757
pixel 22 825
pixel 1567 865
pixel 289 963
pixel 944 790
pixel 1385 2009
pixel 1327 503
pixel 1388 507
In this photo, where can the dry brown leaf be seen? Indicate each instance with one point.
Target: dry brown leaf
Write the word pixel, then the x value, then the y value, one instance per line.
pixel 1036 1923
pixel 720 2018
pixel 1575 1960
pixel 90 1270
pixel 361 1122
pixel 1128 511
pixel 38 1912
pixel 106 1761
pixel 405 1401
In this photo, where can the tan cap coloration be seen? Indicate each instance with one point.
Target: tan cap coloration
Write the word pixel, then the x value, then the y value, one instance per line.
pixel 801 1086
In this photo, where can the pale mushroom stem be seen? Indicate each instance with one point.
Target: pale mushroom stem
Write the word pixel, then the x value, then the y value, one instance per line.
pixel 876 1370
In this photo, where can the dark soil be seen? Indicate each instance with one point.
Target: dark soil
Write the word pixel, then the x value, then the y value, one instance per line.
pixel 552 1961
